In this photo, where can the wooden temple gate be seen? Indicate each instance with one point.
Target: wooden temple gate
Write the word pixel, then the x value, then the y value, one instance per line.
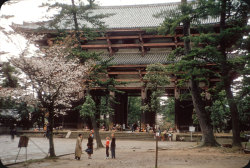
pixel 133 48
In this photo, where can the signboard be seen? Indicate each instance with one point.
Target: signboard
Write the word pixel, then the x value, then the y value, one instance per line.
pixel 157 134
pixel 23 142
pixel 191 129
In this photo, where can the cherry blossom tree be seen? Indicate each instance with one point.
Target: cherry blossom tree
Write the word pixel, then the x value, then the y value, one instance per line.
pixel 51 80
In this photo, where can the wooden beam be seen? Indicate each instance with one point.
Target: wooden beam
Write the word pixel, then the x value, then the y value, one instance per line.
pixel 143 36
pixel 128 66
pixel 125 30
pixel 152 45
pixel 128 80
pixel 215 80
pixel 99 46
pixel 130 88
pixel 123 73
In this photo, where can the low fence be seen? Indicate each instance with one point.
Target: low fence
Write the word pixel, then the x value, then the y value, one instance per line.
pixel 196 137
pixel 103 134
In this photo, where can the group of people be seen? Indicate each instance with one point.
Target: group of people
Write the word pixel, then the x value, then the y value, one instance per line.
pixel 119 127
pixel 89 150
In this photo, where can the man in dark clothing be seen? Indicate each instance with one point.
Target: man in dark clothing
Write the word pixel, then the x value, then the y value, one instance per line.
pixel 113 146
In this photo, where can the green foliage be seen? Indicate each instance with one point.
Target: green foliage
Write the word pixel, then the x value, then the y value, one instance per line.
pixel 65 19
pixel 173 18
pixel 243 96
pixel 134 112
pixel 151 31
pixel 219 112
pixel 169 111
pixel 79 17
pixel 5 104
pixel 97 74
pixel 88 109
pixel 244 113
pixel 37 116
pixel 157 78
pixel 84 56
pixel 20 113
pixel 24 112
pixel 8 74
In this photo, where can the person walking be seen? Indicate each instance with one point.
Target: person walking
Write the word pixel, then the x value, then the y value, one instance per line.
pixel 90 145
pixel 107 147
pixel 113 145
pixel 78 149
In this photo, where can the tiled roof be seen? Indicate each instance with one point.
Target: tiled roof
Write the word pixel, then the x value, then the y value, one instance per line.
pixel 137 58
pixel 138 16
pixel 132 16
pixel 149 58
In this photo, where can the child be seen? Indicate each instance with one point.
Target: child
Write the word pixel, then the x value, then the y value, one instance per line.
pixel 107 147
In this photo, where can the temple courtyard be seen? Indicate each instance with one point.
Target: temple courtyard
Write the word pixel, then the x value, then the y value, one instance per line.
pixel 129 154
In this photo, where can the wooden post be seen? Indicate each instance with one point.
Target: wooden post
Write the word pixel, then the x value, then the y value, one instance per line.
pixel 156 149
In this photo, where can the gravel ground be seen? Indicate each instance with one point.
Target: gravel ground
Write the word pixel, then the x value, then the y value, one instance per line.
pixel 129 154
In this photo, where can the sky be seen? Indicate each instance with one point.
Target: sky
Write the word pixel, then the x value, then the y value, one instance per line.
pixel 29 11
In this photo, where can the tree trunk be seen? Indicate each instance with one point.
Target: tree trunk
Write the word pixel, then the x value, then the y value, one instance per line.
pixel 225 75
pixel 97 134
pixel 74 16
pixel 208 138
pixel 51 125
pixel 77 33
pixel 235 117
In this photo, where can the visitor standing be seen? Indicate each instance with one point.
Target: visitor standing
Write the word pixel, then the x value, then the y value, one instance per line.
pixel 132 127
pixel 113 145
pixel 12 133
pixel 78 149
pixel 123 127
pixel 107 147
pixel 148 128
pixel 90 145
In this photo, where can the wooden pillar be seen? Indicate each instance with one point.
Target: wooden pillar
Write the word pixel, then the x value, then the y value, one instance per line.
pixel 177 113
pixel 125 107
pixel 177 109
pixel 183 113
pixel 143 103
pixel 121 109
pixel 112 116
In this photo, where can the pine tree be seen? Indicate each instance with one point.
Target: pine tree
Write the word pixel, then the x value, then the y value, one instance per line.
pixel 212 47
pixel 8 74
pixel 232 28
